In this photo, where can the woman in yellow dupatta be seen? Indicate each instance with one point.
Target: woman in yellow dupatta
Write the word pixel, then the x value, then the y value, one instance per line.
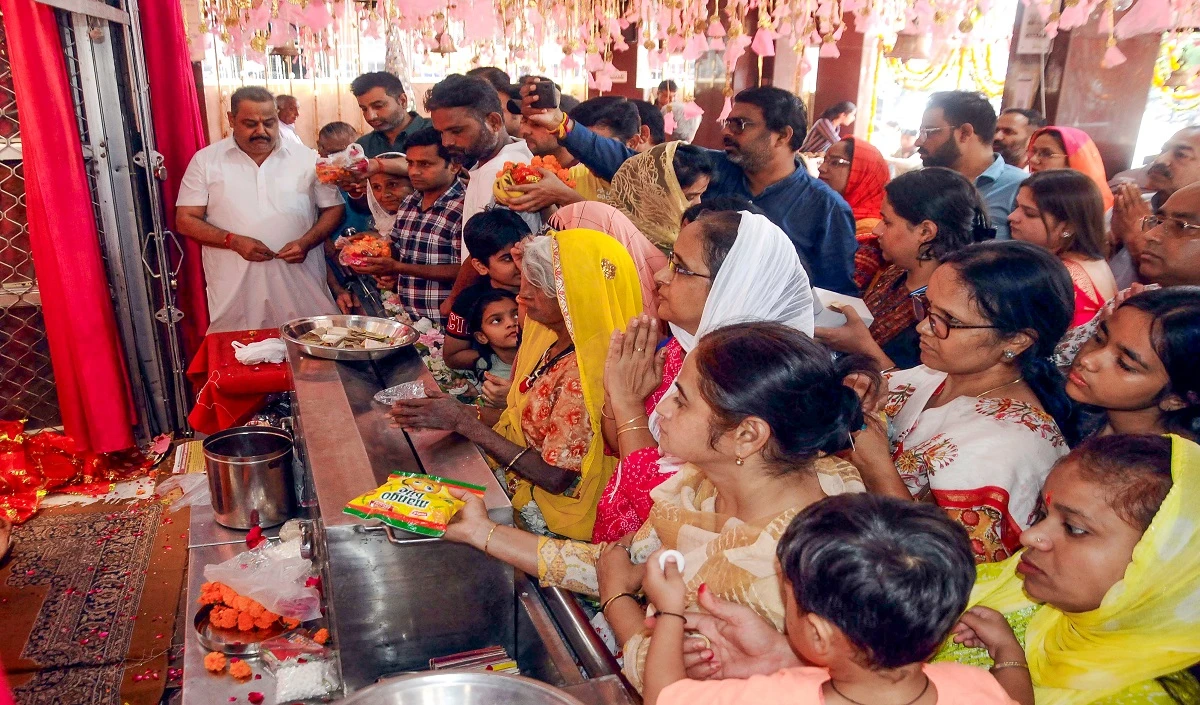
pixel 656 186
pixel 1105 600
pixel 578 286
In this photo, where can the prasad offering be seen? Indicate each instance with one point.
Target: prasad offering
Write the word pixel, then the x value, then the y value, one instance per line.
pixel 360 246
pixel 421 504
pixel 350 162
pixel 345 338
pixel 524 174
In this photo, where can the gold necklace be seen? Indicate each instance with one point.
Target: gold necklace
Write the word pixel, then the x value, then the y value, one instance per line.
pixel 984 394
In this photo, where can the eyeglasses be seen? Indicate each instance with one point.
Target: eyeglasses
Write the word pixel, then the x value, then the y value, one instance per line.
pixel 736 125
pixel 925 132
pixel 1044 155
pixel 938 324
pixel 676 268
pixel 1175 227
pixel 836 161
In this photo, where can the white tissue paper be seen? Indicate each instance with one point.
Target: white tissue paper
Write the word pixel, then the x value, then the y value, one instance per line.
pixel 269 350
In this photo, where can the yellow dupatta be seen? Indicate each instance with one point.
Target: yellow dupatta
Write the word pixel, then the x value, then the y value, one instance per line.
pixel 646 189
pixel 1147 626
pixel 598 292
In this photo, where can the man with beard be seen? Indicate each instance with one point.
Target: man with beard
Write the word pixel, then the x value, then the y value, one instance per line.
pixel 505 91
pixel 384 106
pixel 467 113
pixel 956 132
pixel 254 202
pixel 1013 129
pixel 1176 167
pixel 761 135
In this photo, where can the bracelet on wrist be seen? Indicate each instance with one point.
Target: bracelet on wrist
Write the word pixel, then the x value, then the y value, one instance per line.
pixel 228 240
pixel 1008 664
pixel 618 596
pixel 670 614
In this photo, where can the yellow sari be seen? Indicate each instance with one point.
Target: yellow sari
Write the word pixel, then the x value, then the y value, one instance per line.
pixel 598 292
pixel 1147 626
pixel 646 189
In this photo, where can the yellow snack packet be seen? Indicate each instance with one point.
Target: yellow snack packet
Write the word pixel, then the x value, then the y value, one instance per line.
pixel 418 503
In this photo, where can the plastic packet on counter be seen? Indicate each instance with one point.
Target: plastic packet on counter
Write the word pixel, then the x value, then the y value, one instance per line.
pixel 406 390
pixel 302 667
pixel 421 504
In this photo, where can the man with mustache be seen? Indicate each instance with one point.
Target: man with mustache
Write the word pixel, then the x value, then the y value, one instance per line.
pixel 467 113
pixel 1176 167
pixel 957 130
pixel 1013 129
pixel 254 202
pixel 765 127
pixel 384 106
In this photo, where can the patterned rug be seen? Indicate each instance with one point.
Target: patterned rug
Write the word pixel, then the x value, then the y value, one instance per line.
pixel 88 599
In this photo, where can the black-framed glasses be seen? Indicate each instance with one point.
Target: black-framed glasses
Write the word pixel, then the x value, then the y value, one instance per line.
pixel 939 324
pixel 1175 227
pixel 676 268
pixel 737 125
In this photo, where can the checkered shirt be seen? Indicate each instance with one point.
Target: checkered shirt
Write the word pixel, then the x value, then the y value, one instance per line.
pixel 433 236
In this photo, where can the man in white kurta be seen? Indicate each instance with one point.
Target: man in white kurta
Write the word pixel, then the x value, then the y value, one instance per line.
pixel 254 202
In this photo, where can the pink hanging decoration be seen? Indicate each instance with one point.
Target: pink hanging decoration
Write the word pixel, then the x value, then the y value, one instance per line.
pixel 716 44
pixel 591 83
pixel 569 63
pixel 734 49
pixel 675 44
pixel 371 28
pixel 716 29
pixel 592 62
pixel 830 50
pixel 1112 57
pixel 726 110
pixel 201 43
pixel 1075 15
pixel 1145 17
pixel 604 82
pixel 691 111
pixel 669 122
pixel 480 24
pixel 764 42
pixel 258 18
pixel 317 17
pixel 696 46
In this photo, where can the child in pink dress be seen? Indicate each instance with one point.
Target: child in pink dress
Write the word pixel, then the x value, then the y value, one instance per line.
pixel 872 587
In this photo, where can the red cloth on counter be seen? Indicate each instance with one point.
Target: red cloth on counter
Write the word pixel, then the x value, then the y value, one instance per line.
pixel 228 391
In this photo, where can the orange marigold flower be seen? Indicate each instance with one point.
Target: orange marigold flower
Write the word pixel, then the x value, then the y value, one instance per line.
pixel 264 622
pixel 241 671
pixel 290 623
pixel 245 622
pixel 321 636
pixel 241 603
pixel 214 662
pixel 255 609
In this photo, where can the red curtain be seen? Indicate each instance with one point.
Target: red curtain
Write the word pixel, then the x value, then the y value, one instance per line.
pixel 85 349
pixel 179 133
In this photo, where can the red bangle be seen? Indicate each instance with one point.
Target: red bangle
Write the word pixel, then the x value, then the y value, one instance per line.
pixel 228 240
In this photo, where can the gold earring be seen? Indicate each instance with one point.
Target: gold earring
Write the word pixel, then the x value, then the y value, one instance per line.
pixel 739 461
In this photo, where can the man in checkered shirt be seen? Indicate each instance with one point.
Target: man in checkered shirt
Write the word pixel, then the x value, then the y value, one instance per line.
pixel 427 237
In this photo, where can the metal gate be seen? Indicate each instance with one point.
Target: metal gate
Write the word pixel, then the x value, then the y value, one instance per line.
pixel 106 69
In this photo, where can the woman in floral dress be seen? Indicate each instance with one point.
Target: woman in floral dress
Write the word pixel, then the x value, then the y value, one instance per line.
pixel 978 426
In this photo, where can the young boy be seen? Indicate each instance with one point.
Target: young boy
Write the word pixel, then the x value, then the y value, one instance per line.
pixel 872 587
pixel 490 237
pixel 493 325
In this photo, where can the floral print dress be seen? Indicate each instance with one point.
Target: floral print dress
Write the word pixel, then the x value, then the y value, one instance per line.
pixel 982 460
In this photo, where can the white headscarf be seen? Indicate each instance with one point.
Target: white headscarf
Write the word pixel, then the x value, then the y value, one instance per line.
pixel 761 279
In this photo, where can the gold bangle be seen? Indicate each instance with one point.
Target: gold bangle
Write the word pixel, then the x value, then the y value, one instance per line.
pixel 610 417
pixel 610 600
pixel 632 428
pixel 514 460
pixel 488 540
pixel 1008 664
pixel 639 417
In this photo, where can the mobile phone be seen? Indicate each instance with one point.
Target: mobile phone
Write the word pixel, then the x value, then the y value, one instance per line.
pixel 547 95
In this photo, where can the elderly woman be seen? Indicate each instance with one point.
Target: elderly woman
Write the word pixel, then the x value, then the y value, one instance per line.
pixel 656 186
pixel 1058 147
pixel 727 267
pixel 977 427
pixel 1099 608
pixel 749 444
pixel 577 286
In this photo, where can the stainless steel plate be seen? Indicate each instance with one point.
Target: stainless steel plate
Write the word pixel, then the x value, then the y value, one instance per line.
pixel 401 335
pixel 460 688
pixel 231 641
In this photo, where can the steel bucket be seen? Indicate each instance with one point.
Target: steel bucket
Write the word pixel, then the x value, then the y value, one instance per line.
pixel 250 476
pixel 460 688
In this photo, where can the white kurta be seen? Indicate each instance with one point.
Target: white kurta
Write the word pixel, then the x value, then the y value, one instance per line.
pixel 275 203
pixel 479 195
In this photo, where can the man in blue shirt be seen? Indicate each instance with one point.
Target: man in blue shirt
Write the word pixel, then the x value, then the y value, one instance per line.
pixel 956 132
pixel 759 164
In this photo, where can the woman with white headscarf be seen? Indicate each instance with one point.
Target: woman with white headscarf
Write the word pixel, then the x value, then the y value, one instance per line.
pixel 727 267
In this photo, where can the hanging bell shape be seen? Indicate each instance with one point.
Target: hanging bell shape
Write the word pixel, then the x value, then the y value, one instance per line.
pixel 445 44
pixel 909 46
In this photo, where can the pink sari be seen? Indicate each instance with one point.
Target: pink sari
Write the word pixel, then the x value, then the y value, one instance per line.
pixel 601 217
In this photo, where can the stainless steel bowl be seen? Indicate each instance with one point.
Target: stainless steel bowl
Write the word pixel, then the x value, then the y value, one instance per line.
pixel 402 336
pixel 460 688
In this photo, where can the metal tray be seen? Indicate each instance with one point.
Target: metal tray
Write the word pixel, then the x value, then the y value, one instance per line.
pixel 401 334
pixel 232 641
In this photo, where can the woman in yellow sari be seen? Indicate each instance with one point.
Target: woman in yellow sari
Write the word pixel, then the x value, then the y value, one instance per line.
pixel 577 286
